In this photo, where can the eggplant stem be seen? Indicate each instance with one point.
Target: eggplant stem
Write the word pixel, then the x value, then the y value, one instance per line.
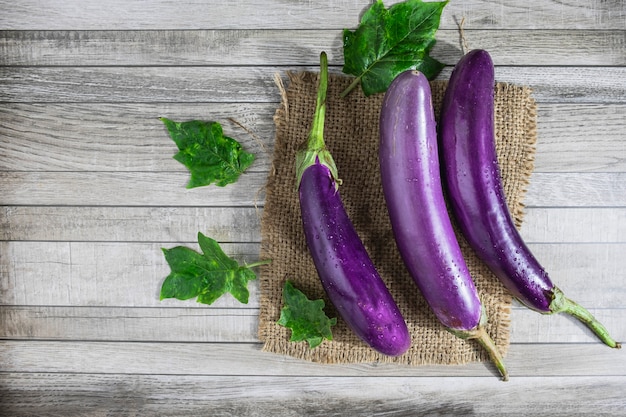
pixel 561 304
pixel 315 151
pixel 316 136
pixel 486 342
pixel 483 339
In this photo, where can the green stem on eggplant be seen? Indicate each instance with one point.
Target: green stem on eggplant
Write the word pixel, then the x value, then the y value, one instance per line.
pixel 482 337
pixel 315 150
pixel 561 304
pixel 489 345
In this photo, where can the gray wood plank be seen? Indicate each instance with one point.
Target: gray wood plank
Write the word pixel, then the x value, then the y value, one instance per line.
pixel 587 273
pixel 168 189
pixel 233 359
pixel 580 138
pixel 255 83
pixel 292 47
pixel 130 224
pixel 574 225
pixel 576 190
pixel 276 14
pixel 242 224
pixel 127 189
pixel 99 274
pixel 128 137
pixel 91 395
pixel 158 324
pixel 119 137
pixel 138 84
pixel 239 325
pixel 130 274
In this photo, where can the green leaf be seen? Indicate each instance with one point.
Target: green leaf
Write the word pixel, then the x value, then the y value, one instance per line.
pixel 207 275
pixel 305 318
pixel 390 41
pixel 210 156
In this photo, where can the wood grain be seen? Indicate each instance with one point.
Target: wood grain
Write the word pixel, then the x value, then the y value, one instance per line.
pixel 255 83
pixel 215 359
pixel 242 224
pixel 558 224
pixel 46 394
pixel 291 47
pixel 121 136
pixel 129 137
pixel 168 189
pixel 130 274
pixel 238 325
pixel 277 14
pixel 90 194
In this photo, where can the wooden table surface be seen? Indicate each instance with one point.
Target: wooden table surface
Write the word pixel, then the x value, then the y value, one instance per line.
pixel 89 194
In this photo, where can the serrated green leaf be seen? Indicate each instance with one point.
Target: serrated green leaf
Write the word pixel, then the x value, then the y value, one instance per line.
pixel 210 156
pixel 207 275
pixel 305 318
pixel 390 41
pixel 185 280
pixel 214 253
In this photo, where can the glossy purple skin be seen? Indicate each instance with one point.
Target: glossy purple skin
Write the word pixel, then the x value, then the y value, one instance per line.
pixel 421 225
pixel 347 274
pixel 472 178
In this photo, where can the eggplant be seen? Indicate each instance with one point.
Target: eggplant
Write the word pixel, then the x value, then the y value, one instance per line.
pixel 421 225
pixel 343 265
pixel 473 182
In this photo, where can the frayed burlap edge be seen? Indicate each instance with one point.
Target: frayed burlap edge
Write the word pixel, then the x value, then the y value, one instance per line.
pixel 431 343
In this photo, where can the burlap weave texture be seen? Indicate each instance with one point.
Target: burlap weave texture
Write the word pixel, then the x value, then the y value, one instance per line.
pixel 351 135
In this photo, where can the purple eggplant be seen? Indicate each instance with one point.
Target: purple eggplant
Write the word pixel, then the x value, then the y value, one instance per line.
pixel 474 185
pixel 344 267
pixel 411 182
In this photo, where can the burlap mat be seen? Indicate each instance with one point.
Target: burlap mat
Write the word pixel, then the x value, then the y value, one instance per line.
pixel 351 134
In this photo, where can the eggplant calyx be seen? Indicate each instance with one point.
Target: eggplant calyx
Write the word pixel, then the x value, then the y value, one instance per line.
pixel 482 337
pixel 307 157
pixel 561 304
pixel 314 151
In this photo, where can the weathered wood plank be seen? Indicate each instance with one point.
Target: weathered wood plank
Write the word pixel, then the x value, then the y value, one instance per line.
pixel 575 225
pixel 590 274
pixel 95 395
pixel 138 84
pixel 580 138
pixel 119 137
pixel 98 274
pixel 127 189
pixel 255 83
pixel 276 14
pixel 233 359
pixel 168 189
pixel 242 224
pixel 572 138
pixel 128 137
pixel 130 274
pixel 292 47
pixel 228 325
pixel 157 324
pixel 576 190
pixel 130 224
